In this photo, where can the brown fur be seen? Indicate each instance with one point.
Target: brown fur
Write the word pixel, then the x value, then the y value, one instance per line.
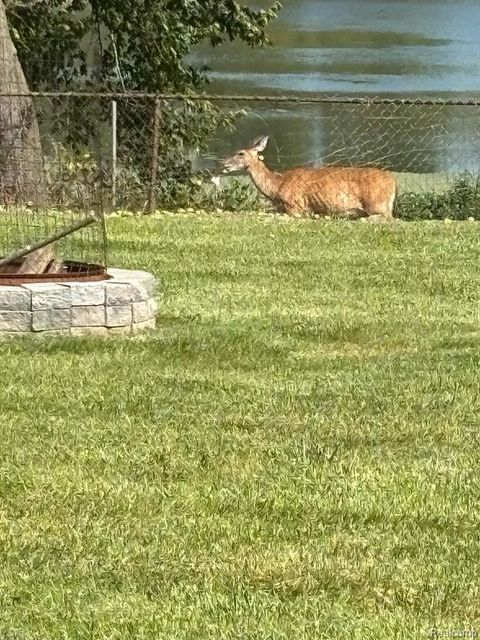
pixel 352 192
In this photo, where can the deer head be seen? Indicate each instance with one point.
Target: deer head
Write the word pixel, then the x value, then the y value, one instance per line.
pixel 244 158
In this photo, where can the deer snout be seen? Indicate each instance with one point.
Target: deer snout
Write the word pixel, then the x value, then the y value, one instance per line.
pixel 237 162
pixel 227 165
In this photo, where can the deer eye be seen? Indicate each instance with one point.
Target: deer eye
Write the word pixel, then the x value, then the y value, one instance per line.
pixel 241 153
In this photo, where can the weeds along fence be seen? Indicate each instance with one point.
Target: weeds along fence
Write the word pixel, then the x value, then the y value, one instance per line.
pixel 132 144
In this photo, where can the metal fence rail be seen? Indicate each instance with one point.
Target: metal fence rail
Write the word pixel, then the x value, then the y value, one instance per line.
pixel 216 97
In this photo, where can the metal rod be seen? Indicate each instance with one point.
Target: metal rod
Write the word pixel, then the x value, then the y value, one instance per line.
pixel 154 166
pixel 114 153
pixel 20 253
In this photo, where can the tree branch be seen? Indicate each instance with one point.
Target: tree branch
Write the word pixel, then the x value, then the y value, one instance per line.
pixel 22 4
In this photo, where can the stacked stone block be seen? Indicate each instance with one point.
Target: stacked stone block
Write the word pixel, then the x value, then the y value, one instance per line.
pixel 124 304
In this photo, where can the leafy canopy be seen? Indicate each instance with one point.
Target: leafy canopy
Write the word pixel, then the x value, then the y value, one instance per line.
pixel 138 45
pixel 62 43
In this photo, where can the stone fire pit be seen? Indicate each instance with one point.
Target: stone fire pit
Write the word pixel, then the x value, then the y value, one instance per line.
pixel 124 304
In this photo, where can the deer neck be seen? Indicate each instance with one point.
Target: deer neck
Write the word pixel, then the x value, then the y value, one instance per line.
pixel 267 182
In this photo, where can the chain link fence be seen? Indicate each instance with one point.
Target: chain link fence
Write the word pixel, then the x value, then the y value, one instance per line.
pixel 120 151
pixel 431 146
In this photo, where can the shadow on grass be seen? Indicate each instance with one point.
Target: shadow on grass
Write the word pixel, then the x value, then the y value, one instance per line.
pixel 267 342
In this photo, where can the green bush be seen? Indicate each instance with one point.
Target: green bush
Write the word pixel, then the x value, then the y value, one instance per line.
pixel 460 202
pixel 232 194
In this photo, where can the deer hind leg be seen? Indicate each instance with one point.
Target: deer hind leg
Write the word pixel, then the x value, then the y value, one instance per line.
pixel 377 218
pixel 381 212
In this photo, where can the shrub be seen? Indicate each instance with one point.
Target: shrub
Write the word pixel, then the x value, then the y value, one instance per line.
pixel 460 202
pixel 231 194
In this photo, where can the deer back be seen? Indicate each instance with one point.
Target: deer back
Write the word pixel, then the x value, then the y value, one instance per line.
pixel 338 189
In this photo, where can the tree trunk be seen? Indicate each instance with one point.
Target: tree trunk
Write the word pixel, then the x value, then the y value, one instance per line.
pixel 21 158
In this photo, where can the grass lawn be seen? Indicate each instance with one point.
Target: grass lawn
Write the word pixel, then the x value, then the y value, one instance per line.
pixel 294 453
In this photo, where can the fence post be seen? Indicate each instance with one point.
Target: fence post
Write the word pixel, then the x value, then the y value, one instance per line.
pixel 152 201
pixel 114 153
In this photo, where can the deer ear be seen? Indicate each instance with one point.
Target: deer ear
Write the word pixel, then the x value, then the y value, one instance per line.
pixel 259 144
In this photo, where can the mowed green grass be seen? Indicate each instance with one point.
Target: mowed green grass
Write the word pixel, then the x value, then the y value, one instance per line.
pixel 293 453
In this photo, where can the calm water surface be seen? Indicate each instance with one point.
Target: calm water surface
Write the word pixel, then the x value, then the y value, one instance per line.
pixel 364 47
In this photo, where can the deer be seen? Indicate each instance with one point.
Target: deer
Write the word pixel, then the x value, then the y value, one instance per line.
pixel 347 192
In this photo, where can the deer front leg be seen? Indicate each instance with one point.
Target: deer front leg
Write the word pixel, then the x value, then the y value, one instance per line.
pixel 295 210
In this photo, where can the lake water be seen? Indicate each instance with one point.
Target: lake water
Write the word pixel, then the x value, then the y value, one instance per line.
pixel 427 48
